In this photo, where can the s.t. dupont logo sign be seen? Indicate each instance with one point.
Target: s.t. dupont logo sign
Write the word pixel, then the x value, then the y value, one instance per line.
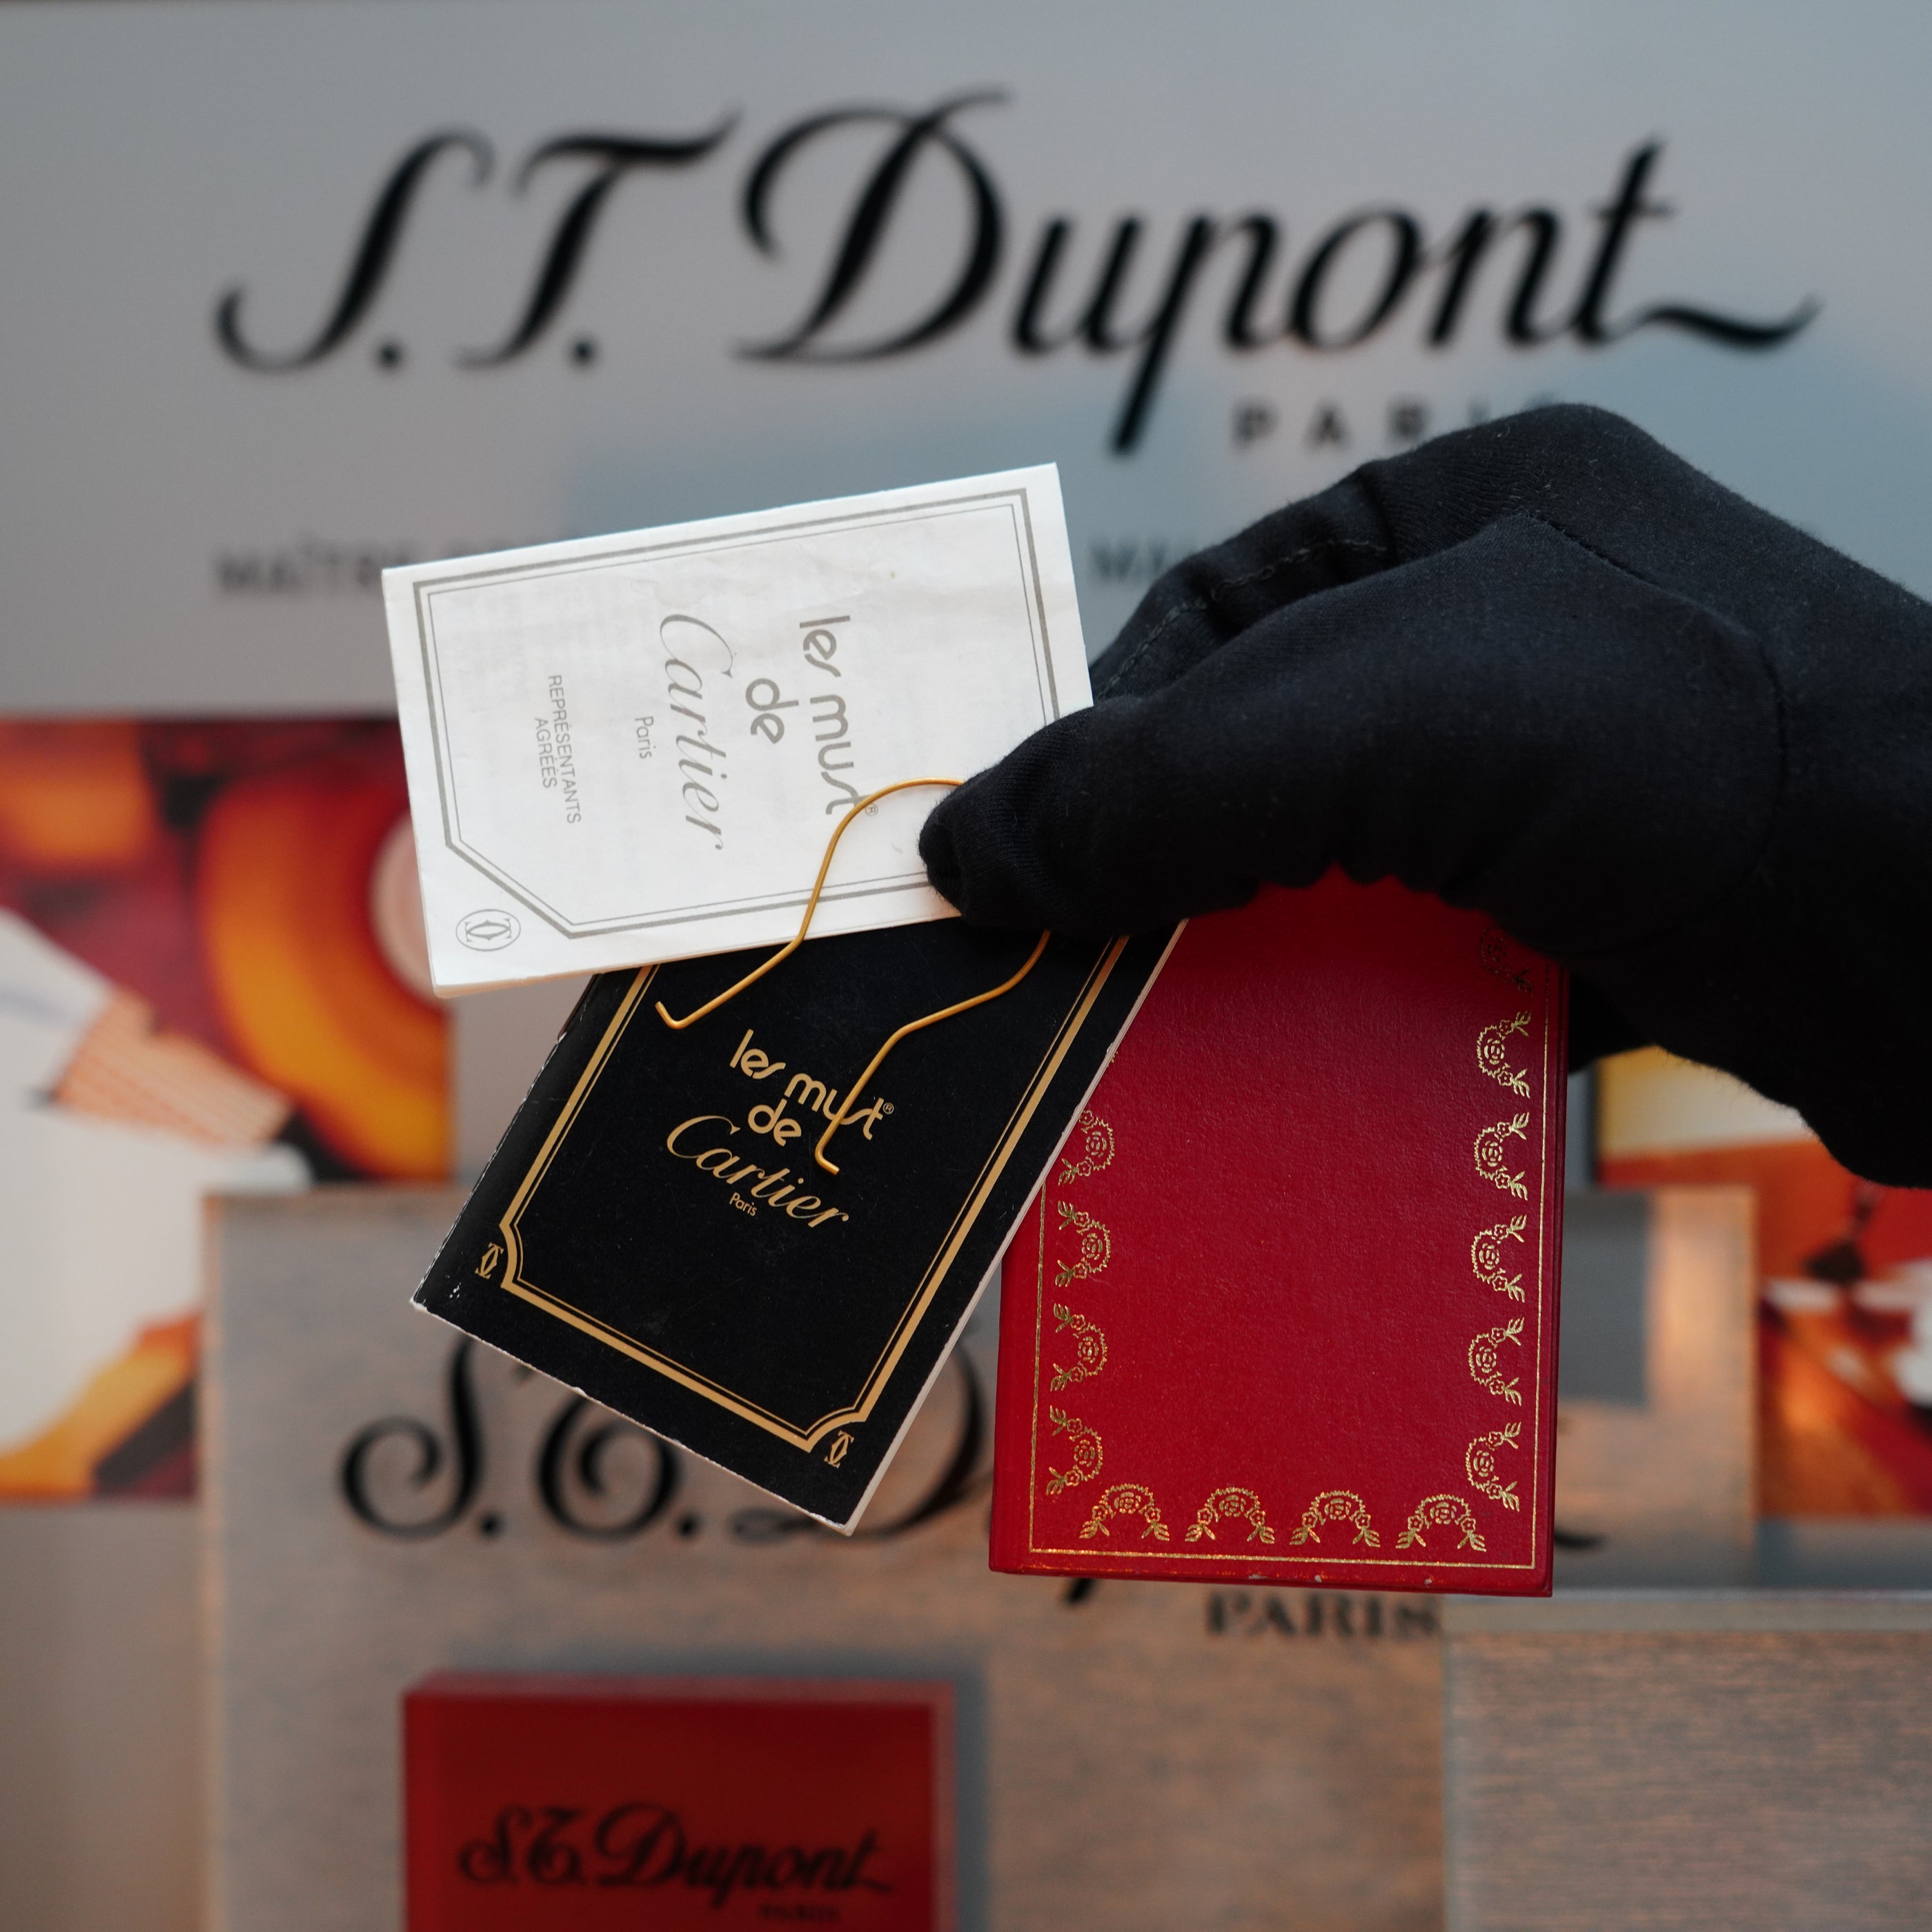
pixel 1119 285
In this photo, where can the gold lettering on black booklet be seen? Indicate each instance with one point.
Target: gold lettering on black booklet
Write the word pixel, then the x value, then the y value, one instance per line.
pixel 670 1245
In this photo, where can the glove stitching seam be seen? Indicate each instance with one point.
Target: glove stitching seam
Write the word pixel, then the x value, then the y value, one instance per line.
pixel 1197 607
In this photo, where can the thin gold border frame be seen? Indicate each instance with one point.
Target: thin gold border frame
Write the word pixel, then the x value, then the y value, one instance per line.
pixel 808 1437
pixel 1250 1562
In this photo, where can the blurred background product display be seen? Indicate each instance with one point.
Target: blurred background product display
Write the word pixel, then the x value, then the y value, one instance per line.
pixel 294 292
pixel 1844 1292
pixel 212 978
pixel 1244 1733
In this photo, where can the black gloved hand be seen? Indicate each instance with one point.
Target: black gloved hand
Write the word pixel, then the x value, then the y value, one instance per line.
pixel 1545 669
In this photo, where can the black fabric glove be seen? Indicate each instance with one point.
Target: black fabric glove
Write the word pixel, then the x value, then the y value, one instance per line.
pixel 1545 669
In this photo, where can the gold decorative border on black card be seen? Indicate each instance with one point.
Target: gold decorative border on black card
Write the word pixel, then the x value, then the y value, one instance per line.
pixel 921 1297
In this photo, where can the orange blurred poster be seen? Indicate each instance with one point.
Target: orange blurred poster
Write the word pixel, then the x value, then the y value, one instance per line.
pixel 212 978
pixel 1845 1285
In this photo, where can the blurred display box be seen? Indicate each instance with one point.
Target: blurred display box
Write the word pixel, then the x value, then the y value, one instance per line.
pixel 385 1501
pixel 581 1803
pixel 1139 1757
pixel 1843 1317
pixel 1656 1389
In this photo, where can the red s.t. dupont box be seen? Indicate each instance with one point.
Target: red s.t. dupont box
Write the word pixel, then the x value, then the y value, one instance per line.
pixel 1285 1311
pixel 563 1803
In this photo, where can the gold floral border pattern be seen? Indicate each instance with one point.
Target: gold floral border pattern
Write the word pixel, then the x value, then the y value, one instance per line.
pixel 1231 1504
pixel 1336 1506
pixel 1097 1139
pixel 1089 1453
pixel 1492 1054
pixel 1445 1510
pixel 1125 1499
pixel 1486 1365
pixel 1234 1503
pixel 1090 1348
pixel 1096 1244
pixel 1492 1156
pixel 1479 1464
pixel 1486 1257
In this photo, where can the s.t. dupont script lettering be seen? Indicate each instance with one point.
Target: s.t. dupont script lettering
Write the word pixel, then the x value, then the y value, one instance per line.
pixel 1110 286
pixel 596 1476
pixel 643 1845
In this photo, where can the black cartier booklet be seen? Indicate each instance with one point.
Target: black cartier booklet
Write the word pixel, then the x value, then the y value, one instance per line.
pixel 656 1230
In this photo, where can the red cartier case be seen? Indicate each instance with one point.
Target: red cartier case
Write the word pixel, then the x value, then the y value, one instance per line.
pixel 1285 1311
pixel 567 1804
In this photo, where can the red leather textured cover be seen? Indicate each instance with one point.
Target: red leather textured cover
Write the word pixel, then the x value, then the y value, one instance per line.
pixel 1286 1309
pixel 563 1804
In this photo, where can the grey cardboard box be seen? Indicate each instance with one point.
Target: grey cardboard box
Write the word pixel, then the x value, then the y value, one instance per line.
pixel 1689 1761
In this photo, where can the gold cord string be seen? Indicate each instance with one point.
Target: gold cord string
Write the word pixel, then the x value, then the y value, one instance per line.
pixel 798 939
pixel 913 1026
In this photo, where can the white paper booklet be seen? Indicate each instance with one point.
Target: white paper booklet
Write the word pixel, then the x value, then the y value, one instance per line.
pixel 635 748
